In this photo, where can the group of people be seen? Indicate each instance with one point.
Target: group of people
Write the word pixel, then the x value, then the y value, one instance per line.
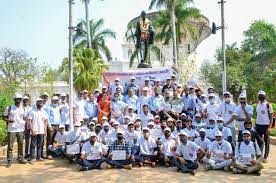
pixel 166 124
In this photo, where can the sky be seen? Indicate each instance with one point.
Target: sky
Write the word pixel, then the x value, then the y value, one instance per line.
pixel 40 26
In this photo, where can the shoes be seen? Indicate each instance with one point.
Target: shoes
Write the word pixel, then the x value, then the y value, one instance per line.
pixel 83 168
pixel 226 169
pixel 32 161
pixel 265 160
pixel 167 165
pixel 208 167
pixel 236 171
pixel 152 164
pixel 128 167
pixel 192 172
pixel 22 161
pixel 109 167
pixel 40 159
pixel 50 157
pixel 8 165
pixel 258 173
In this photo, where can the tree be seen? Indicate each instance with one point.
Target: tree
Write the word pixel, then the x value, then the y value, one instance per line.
pixel 63 70
pixel 86 2
pixel 98 37
pixel 88 69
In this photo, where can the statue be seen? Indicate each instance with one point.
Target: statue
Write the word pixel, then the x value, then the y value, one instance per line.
pixel 144 34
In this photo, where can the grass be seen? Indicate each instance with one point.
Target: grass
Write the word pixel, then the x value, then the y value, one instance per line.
pixel 273 132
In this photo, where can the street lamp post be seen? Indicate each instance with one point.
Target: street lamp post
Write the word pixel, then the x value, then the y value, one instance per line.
pixel 174 33
pixel 70 56
pixel 88 24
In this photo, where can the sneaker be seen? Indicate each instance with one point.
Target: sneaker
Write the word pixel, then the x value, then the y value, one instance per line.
pixel 128 167
pixel 265 160
pixel 83 168
pixel 50 157
pixel 167 165
pixel 152 164
pixel 8 165
pixel 40 159
pixel 109 167
pixel 192 172
pixel 236 171
pixel 226 169
pixel 208 167
pixel 22 161
pixel 141 164
pixel 32 161
pixel 258 173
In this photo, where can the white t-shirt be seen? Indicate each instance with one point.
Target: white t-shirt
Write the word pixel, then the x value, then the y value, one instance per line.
pixel 167 146
pixel 146 146
pixel 117 107
pixel 64 114
pixel 145 118
pixel 108 137
pixel 227 111
pixel 226 132
pixel 79 109
pixel 132 136
pixel 17 114
pixel 192 133
pixel 188 151
pixel 210 133
pixel 203 144
pixel 61 139
pixel 248 149
pixel 262 113
pixel 75 137
pixel 38 118
pixel 241 115
pixel 212 110
pixel 224 147
pixel 96 149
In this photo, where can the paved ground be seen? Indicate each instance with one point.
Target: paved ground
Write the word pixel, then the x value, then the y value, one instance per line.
pixel 60 171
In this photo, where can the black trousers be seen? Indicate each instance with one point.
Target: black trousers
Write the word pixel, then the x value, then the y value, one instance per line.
pixel 262 131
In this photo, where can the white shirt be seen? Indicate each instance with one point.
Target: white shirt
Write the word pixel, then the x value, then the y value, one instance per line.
pixel 241 115
pixel 107 138
pixel 226 132
pixel 64 114
pixel 262 113
pixel 188 151
pixel 167 146
pixel 248 149
pixel 113 87
pixel 132 136
pixel 212 110
pixel 225 146
pixel 79 109
pixel 17 114
pixel 146 146
pixel 61 139
pixel 203 144
pixel 75 137
pixel 87 148
pixel 145 118
pixel 192 133
pixel 141 101
pixel 210 133
pixel 227 111
pixel 38 118
pixel 118 107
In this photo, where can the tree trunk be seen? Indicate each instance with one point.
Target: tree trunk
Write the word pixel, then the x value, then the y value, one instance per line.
pixel 88 24
pixel 173 33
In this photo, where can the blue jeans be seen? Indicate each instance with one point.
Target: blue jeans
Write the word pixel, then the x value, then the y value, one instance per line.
pixel 92 164
pixel 57 152
pixel 162 157
pixel 143 158
pixel 191 165
pixel 36 141
pixel 118 163
pixel 134 150
pixel 11 138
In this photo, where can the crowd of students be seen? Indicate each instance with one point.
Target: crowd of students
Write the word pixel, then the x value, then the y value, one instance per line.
pixel 166 124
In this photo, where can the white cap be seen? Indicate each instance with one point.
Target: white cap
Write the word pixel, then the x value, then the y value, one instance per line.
pixel 77 124
pixel 138 118
pixel 179 86
pixel 261 92
pixel 106 124
pixel 85 116
pixel 203 95
pixel 242 95
pixel 130 123
pixel 18 95
pixel 145 89
pixel 246 132
pixel 85 91
pixel 158 79
pixel 94 119
pixel 219 118
pixel 156 117
pixel 211 95
pixel 61 126
pixel 145 129
pixel 90 123
pixel 126 117
pixel 167 129
pixel 182 132
pixel 116 123
pixel 202 130
pixel 104 118
pixel 210 87
pixel 92 134
pixel 218 133
pixel 104 87
pixel 212 118
pixel 130 107
pixel 173 75
pixel 55 98
pixel 46 94
pixel 226 93
pixel 25 97
pixel 39 99
pixel 117 79
pixel 132 78
pixel 147 79
pixel 183 114
pixel 121 132
pixel 151 119
pixel 63 94
pixel 198 115
pixel 150 124
pixel 168 78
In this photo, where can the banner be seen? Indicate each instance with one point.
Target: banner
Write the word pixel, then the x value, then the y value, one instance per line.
pixel 140 75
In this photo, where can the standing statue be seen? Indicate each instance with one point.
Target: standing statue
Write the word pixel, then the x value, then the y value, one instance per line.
pixel 144 34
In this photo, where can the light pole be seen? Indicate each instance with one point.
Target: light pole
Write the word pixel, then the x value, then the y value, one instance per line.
pixel 173 33
pixel 86 2
pixel 70 56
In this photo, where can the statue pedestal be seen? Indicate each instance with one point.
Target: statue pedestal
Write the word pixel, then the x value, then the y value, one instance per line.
pixel 144 65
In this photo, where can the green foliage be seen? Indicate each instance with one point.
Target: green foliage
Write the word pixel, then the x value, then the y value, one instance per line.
pixel 3 133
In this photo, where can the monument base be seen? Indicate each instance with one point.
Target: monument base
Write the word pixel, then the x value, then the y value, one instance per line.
pixel 144 65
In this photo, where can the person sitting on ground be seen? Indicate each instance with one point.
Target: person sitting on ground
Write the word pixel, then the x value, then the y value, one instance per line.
pixel 58 146
pixel 92 154
pixel 202 141
pixel 226 132
pixel 186 154
pixel 192 133
pixel 167 149
pixel 255 137
pixel 211 128
pixel 120 153
pixel 219 154
pixel 147 149
pixel 247 156
pixel 74 141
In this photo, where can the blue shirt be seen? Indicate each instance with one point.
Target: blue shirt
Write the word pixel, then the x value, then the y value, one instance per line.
pixel 53 114
pixel 131 101
pixel 157 103
pixel 135 88
pixel 91 109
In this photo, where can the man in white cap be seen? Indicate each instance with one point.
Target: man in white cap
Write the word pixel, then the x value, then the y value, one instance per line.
pixel 114 85
pixel 143 99
pixel 167 148
pixel 64 111
pixel 192 133
pixel 202 141
pixel 148 86
pixel 85 94
pixel 45 97
pixel 145 115
pixel 244 113
pixel 211 128
pixel 186 154
pixel 131 113
pixel 58 146
pixel 158 85
pixel 227 110
pixel 168 86
pixel 131 134
pixel 53 111
pixel 212 109
pixel 198 122
pixel 92 154
pixel 132 85
pixel 105 136
pixel 117 107
pixel 92 124
pixel 131 98
pixel 91 107
pixel 157 103
pixel 78 107
pixel 38 121
pixel 226 132
pixel 177 104
pixel 264 121
pixel 247 156
pixel 219 155
pixel 147 149
pixel 74 141
pixel 120 155
pixel 14 117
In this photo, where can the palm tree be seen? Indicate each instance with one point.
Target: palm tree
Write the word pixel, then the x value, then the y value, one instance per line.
pixel 88 69
pixel 86 2
pixel 98 37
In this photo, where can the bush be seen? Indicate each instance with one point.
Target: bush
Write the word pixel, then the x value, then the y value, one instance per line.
pixel 3 133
